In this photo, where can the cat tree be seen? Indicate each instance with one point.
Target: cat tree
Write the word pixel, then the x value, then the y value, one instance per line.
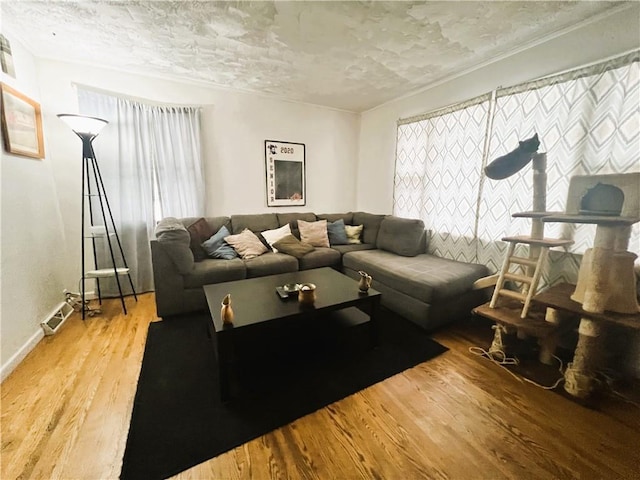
pixel 605 292
pixel 509 308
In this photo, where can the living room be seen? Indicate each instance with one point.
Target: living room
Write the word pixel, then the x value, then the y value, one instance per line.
pixel 350 153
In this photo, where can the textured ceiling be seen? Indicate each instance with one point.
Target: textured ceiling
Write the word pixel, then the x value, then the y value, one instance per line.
pixel 342 54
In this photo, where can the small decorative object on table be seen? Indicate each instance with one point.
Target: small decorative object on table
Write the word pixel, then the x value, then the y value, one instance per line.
pixel 291 288
pixel 307 294
pixel 288 290
pixel 226 312
pixel 365 281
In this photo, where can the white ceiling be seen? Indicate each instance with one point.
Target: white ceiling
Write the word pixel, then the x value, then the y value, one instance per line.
pixel 341 54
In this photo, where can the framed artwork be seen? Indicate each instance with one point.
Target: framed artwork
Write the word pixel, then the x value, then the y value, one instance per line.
pixel 285 168
pixel 21 124
pixel 6 59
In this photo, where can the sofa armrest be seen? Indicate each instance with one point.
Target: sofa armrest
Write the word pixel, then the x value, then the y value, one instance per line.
pixel 169 283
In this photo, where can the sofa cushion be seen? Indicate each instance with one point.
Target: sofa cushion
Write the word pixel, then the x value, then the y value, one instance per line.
pixel 425 277
pixel 292 246
pixel 247 244
pixel 270 264
pixel 371 223
pixel 272 236
pixel 292 219
pixel 320 257
pixel 214 222
pixel 314 233
pixel 353 247
pixel 199 231
pixel 354 233
pixel 332 217
pixel 212 270
pixel 256 223
pixel 217 247
pixel 176 240
pixel 337 233
pixel 403 236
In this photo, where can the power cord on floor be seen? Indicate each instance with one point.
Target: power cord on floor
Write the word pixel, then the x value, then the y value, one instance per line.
pixel 609 379
pixel 500 358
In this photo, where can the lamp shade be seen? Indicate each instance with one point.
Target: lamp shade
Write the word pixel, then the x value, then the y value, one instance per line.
pixel 82 124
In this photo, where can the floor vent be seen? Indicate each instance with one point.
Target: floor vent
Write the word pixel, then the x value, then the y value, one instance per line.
pixel 57 318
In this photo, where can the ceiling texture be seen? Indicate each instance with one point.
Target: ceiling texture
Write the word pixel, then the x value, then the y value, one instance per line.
pixel 342 54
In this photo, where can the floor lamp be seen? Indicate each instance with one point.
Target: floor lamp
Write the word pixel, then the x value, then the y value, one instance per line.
pixel 87 128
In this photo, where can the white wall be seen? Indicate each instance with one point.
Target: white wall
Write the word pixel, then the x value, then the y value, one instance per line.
pixel 32 235
pixel 601 39
pixel 235 126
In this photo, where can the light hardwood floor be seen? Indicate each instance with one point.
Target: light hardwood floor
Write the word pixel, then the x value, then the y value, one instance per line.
pixel 66 409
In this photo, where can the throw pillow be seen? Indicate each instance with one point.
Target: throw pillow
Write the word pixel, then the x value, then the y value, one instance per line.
pixel 247 244
pixel 199 232
pixel 272 236
pixel 292 246
pixel 337 233
pixel 314 233
pixel 216 247
pixel 353 233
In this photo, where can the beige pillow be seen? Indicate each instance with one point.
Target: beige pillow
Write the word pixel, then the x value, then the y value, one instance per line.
pixel 353 233
pixel 247 244
pixel 314 233
pixel 272 236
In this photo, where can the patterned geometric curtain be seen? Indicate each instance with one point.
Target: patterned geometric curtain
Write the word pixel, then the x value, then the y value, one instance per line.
pixel 588 122
pixel 438 172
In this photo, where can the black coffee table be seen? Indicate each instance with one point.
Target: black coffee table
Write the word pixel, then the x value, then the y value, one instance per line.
pixel 255 303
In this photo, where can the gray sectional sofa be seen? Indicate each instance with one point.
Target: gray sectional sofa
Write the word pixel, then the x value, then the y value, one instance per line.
pixel 423 288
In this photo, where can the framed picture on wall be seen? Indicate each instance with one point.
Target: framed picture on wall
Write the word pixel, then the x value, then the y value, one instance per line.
pixel 21 124
pixel 285 172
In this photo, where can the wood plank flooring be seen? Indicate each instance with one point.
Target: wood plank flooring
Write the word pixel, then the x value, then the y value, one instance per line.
pixel 65 414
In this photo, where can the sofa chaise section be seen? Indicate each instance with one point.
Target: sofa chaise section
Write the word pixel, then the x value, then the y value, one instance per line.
pixel 424 288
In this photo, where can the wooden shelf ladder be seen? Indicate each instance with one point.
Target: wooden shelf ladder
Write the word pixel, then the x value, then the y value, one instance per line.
pixel 539 252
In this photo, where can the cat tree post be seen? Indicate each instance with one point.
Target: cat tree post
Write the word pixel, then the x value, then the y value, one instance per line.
pixel 606 280
pixel 539 163
pixel 539 193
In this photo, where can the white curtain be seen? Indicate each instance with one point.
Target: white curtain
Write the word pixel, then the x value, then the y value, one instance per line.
pixel 150 160
pixel 438 173
pixel 588 122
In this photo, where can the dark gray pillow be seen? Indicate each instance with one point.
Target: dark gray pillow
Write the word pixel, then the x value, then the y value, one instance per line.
pixel 403 236
pixel 175 238
pixel 292 246
pixel 216 247
pixel 337 233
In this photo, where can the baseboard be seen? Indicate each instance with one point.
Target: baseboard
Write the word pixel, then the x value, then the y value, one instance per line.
pixel 30 344
pixel 20 355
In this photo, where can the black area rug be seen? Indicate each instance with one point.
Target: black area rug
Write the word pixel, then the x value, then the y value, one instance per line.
pixel 178 420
